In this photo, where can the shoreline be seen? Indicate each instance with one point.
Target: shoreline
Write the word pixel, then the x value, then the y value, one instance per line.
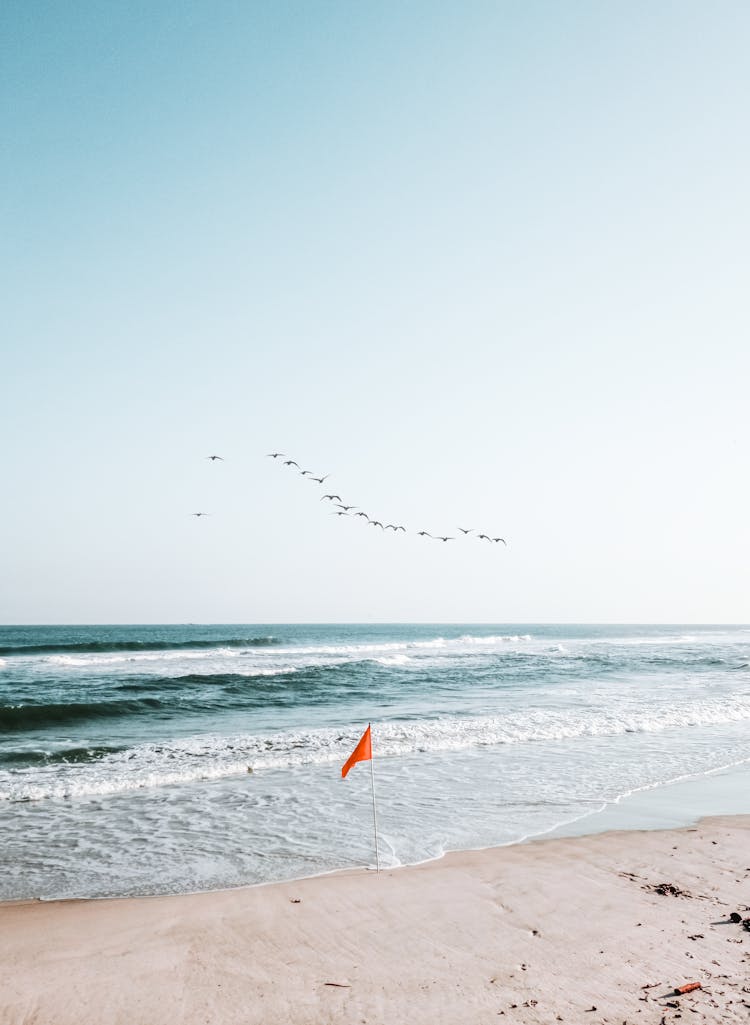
pixel 485 739
pixel 676 804
pixel 547 930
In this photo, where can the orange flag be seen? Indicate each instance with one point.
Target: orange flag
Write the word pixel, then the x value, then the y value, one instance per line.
pixel 361 753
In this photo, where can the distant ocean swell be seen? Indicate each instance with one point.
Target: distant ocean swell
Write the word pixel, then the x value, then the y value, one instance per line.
pixel 500 653
pixel 197 644
pixel 256 687
pixel 262 689
pixel 536 663
pixel 104 646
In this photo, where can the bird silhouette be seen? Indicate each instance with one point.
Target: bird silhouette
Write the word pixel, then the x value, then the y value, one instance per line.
pixel 348 510
pixel 214 458
pixel 200 514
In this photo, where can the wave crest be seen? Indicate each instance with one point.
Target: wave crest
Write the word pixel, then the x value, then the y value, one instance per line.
pixel 211 757
pixel 88 647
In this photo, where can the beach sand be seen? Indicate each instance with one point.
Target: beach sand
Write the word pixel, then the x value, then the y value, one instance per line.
pixel 569 929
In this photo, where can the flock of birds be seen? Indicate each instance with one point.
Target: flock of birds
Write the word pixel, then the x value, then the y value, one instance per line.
pixel 354 512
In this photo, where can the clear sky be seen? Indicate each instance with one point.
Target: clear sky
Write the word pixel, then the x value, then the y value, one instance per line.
pixel 484 263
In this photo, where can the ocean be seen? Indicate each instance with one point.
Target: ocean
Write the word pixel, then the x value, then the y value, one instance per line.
pixel 162 759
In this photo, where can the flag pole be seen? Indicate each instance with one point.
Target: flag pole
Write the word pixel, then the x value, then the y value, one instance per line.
pixel 374 812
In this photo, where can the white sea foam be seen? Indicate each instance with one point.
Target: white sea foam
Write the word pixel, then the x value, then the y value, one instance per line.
pixel 667 640
pixel 301 653
pixel 210 757
pixel 493 639
pixel 151 656
pixel 279 671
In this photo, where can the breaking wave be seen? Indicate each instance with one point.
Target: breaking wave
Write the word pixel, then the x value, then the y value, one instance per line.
pixel 17 718
pixel 211 757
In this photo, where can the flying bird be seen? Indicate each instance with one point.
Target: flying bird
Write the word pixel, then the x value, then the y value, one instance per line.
pixel 200 514
pixel 348 510
pixel 213 458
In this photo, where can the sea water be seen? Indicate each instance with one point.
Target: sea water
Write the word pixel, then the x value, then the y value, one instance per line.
pixel 145 759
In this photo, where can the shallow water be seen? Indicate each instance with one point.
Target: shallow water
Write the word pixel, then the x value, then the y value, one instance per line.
pixel 124 751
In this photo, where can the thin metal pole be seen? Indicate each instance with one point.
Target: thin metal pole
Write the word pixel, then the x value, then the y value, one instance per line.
pixel 374 812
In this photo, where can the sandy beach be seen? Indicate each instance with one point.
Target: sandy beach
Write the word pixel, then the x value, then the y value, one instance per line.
pixel 571 929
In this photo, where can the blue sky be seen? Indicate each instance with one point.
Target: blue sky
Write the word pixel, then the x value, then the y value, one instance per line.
pixel 484 263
